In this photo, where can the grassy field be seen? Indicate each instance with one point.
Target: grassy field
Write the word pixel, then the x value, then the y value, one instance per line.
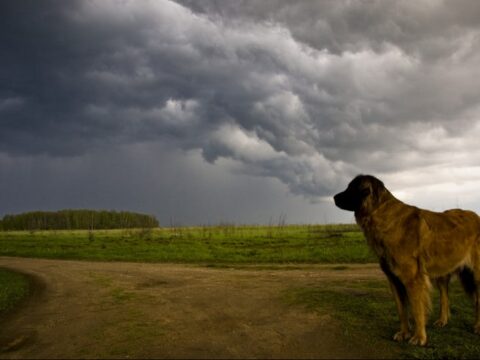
pixel 367 313
pixel 365 309
pixel 13 288
pixel 206 245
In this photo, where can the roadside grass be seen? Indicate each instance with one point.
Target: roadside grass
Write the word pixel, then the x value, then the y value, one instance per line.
pixel 208 245
pixel 368 317
pixel 14 287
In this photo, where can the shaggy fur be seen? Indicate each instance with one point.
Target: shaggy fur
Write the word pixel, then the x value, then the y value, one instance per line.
pixel 415 246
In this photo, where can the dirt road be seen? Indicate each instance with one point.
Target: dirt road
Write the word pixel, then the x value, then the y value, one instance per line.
pixel 85 309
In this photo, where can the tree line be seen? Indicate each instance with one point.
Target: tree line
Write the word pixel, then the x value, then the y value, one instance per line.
pixel 77 220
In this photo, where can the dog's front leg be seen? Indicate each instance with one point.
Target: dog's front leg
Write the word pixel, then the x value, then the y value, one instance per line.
pixel 419 298
pixel 399 293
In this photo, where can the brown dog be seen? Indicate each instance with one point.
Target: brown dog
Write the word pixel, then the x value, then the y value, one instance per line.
pixel 414 246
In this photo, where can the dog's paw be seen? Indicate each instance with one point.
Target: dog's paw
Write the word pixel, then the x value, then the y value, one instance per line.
pixel 418 340
pixel 401 336
pixel 440 323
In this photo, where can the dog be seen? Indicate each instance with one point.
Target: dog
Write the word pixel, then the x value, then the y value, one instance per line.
pixel 415 246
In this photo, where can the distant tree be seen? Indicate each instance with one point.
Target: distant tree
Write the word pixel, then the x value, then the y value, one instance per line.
pixel 77 219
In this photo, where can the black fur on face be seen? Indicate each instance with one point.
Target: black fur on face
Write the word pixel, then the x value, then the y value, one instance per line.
pixel 359 189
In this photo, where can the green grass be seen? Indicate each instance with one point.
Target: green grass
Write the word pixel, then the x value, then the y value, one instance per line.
pixel 365 309
pixel 206 245
pixel 13 288
pixel 368 317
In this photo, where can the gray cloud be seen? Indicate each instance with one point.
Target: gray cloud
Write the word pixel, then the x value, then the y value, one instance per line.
pixel 309 93
pixel 426 28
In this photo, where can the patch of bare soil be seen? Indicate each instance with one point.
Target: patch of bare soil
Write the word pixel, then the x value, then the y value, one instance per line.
pixel 83 309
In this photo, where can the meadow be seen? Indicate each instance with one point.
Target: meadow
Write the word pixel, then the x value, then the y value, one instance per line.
pixel 365 309
pixel 214 245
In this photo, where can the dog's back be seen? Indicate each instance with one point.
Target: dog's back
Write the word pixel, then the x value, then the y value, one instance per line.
pixel 447 239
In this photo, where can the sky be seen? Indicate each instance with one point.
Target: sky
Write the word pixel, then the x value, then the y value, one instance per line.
pixel 201 112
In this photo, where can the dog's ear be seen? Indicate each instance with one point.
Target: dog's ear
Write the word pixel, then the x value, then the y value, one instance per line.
pixel 377 189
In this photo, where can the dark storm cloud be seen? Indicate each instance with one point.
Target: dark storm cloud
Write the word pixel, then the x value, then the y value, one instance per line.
pixel 309 93
pixel 420 28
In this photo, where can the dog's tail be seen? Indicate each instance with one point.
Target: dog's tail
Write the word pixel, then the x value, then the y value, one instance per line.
pixel 467 278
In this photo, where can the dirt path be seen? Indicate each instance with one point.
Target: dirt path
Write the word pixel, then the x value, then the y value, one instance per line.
pixel 133 310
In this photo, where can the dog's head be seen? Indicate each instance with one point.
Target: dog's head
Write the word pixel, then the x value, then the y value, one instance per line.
pixel 364 191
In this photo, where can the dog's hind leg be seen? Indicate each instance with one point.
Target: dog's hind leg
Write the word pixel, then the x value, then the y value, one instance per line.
pixel 476 296
pixel 469 279
pixel 476 326
pixel 442 284
pixel 400 294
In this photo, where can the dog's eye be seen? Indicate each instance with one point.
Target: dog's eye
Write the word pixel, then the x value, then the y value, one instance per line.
pixel 365 192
